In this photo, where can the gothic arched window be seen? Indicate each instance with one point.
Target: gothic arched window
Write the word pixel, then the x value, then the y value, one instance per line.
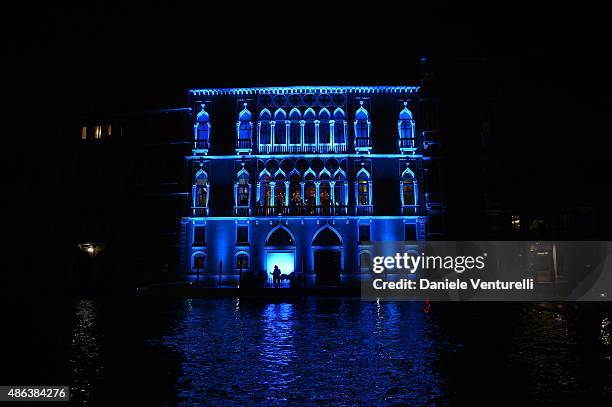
pixel 280 127
pixel 243 188
pixel 295 188
pixel 339 123
pixel 265 194
pixel 364 188
pixel 295 129
pixel 264 127
pixel 324 130
pixel 340 188
pixel 405 127
pixel 201 190
pixel 408 188
pixel 362 129
pixel 309 126
pixel 202 126
pixel 245 129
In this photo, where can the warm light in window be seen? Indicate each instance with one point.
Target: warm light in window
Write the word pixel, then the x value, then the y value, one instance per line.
pixel 109 130
pixel 84 133
pixel 98 132
pixel 516 223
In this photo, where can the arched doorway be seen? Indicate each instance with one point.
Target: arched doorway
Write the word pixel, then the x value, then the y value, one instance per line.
pixel 327 256
pixel 280 252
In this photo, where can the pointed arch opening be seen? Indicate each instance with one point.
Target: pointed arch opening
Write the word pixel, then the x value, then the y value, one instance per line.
pixel 362 129
pixel 244 128
pixel 202 129
pixel 405 128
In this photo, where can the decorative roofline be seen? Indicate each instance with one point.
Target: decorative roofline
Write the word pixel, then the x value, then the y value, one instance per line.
pixel 304 89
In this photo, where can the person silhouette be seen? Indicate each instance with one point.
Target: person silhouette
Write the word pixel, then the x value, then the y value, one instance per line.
pixel 276 276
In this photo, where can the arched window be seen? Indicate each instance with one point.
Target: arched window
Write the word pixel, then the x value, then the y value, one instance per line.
pixel 265 194
pixel 364 189
pixel 339 123
pixel 310 192
pixel 201 190
pixel 362 129
pixel 243 188
pixel 324 131
pixel 309 126
pixel 295 130
pixel 295 188
pixel 280 236
pixel 242 261
pixel 264 127
pixel 405 127
pixel 199 261
pixel 280 127
pixel 202 126
pixel 280 189
pixel 408 188
pixel 340 188
pixel 365 262
pixel 327 236
pixel 324 190
pixel 245 129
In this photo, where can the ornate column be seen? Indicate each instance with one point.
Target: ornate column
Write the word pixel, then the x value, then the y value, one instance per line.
pixel 272 134
pixel 272 192
pixel 287 133
pixel 258 192
pixel 302 183
pixel 331 134
pixel 302 125
pixel 317 188
pixel 235 194
pixel 317 122
pixel 332 193
pixel 286 193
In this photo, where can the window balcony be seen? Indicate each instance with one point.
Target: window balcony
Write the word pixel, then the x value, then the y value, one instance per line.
pixel 242 211
pixel 363 210
pixel 407 145
pixel 299 210
pixel 243 146
pixel 201 147
pixel 410 210
pixel 323 148
pixel 199 211
pixel 363 144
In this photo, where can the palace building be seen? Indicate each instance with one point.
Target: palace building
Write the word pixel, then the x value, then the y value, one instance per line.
pixel 305 179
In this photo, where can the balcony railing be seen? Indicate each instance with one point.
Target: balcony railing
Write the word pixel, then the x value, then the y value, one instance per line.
pixel 301 210
pixel 410 210
pixel 243 145
pixel 202 145
pixel 407 145
pixel 199 211
pixel 363 143
pixel 364 210
pixel 324 148
pixel 242 211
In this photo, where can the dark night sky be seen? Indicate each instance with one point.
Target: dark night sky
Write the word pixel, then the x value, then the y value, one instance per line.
pixel 98 58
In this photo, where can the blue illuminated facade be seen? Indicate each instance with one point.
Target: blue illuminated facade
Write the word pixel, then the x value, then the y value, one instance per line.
pixel 305 178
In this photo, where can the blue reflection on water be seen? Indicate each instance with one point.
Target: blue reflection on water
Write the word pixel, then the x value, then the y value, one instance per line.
pixel 340 352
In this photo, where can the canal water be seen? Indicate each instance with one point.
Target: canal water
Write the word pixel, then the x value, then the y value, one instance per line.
pixel 315 351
